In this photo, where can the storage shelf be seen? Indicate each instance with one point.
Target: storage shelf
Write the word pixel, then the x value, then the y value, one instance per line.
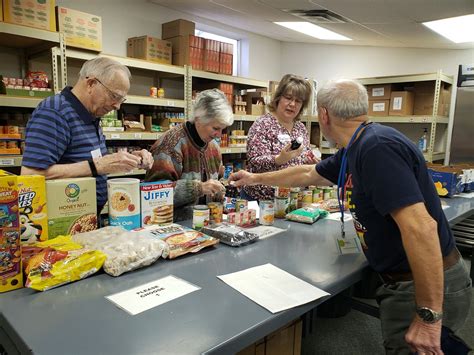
pixel 409 119
pixel 10 160
pixel 129 62
pixel 309 118
pixel 436 156
pixel 232 150
pixel 229 79
pixel 248 118
pixel 20 101
pixel 153 101
pixel 132 135
pixel 406 79
pixel 133 172
pixel 25 37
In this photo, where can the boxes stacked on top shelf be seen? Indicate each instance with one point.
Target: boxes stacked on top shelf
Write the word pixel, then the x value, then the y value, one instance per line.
pixel 379 99
pixel 255 99
pixel 226 88
pixel 211 55
pixel 177 28
pixel 424 98
pixel 1 11
pixel 188 50
pixel 149 48
pixel 401 103
pixel 378 107
pixel 226 58
pixel 37 14
pixel 80 29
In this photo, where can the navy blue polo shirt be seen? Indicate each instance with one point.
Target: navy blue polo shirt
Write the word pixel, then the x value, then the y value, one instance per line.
pixel 385 172
pixel 62 131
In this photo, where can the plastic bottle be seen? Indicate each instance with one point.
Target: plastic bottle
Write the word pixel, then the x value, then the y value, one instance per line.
pixel 295 143
pixel 423 141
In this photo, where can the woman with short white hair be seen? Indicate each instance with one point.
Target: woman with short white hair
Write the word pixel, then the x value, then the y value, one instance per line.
pixel 189 154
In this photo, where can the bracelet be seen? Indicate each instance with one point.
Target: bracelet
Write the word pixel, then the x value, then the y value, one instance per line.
pixel 93 168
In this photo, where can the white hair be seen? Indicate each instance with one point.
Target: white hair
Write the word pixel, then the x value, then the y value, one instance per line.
pixel 103 69
pixel 212 105
pixel 344 98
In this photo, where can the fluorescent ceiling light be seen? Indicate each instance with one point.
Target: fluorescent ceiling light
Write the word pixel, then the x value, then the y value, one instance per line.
pixel 313 30
pixel 457 29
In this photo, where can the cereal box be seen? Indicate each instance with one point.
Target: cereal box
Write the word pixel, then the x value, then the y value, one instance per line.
pixel 32 208
pixel 72 206
pixel 11 276
pixel 157 202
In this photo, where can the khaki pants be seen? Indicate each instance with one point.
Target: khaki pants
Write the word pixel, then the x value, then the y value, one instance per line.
pixel 397 306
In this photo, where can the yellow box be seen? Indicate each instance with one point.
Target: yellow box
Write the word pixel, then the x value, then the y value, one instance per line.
pixel 33 209
pixel 72 206
pixel 32 13
pixel 11 276
pixel 81 30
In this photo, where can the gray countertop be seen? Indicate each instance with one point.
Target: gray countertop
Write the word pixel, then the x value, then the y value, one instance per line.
pixel 77 319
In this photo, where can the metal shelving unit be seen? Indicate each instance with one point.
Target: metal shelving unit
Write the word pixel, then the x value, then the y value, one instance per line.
pixel 19 101
pixel 132 135
pixel 10 161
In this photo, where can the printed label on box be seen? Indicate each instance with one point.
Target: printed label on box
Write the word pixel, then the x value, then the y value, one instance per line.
pixel 397 103
pixel 378 107
pixel 378 92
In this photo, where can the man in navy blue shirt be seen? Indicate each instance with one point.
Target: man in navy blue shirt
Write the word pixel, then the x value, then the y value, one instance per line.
pixel 63 136
pixel 398 218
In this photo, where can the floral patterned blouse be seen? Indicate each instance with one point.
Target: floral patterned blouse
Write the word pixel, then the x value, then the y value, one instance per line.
pixel 266 138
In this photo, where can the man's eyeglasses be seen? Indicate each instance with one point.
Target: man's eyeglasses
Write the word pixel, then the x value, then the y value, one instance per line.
pixel 114 96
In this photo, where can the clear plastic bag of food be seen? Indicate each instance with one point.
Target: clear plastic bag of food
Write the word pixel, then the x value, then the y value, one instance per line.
pixel 125 250
pixel 59 261
pixel 230 234
pixel 306 215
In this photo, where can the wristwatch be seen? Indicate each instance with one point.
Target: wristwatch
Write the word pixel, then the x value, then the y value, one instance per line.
pixel 427 315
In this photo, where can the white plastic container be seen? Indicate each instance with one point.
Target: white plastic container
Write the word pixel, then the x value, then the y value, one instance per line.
pixel 124 202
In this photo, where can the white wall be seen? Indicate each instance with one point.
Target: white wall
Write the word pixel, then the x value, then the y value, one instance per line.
pixel 123 19
pixel 324 62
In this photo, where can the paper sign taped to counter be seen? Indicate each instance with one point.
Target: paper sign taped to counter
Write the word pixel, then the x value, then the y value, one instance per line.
pixel 272 288
pixel 152 294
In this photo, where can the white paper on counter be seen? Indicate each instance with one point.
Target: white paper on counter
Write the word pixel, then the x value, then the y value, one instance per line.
pixel 336 216
pixel 265 231
pixel 444 207
pixel 152 294
pixel 465 195
pixel 272 288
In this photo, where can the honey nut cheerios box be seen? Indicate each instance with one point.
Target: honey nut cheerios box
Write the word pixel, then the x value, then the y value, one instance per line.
pixel 32 208
pixel 72 206
pixel 11 276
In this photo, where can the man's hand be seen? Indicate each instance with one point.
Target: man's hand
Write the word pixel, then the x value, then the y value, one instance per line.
pixel 424 338
pixel 287 154
pixel 146 158
pixel 120 162
pixel 213 188
pixel 242 178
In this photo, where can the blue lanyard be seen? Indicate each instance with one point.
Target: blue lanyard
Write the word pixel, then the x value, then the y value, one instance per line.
pixel 341 180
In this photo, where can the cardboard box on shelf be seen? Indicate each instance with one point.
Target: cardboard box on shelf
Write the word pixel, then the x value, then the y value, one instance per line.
pixel 273 85
pixel 193 57
pixel 211 61
pixel 225 63
pixel 1 11
pixel 177 28
pixel 401 103
pixel 424 99
pixel 379 91
pixel 257 109
pixel 212 45
pixel 11 276
pixel 33 209
pixel 284 341
pixel 378 107
pixel 37 14
pixel 227 48
pixel 149 48
pixel 81 30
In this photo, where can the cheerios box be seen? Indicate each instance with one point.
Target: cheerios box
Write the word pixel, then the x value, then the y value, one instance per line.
pixel 72 206
pixel 32 208
pixel 11 276
pixel 156 202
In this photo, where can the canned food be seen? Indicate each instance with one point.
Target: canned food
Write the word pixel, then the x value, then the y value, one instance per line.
pixel 11 130
pixel 241 205
pixel 281 204
pixel 293 203
pixel 281 191
pixel 3 144
pixel 154 91
pixel 327 193
pixel 267 213
pixel 317 195
pixel 161 93
pixel 307 198
pixel 200 216
pixel 216 210
pixel 12 144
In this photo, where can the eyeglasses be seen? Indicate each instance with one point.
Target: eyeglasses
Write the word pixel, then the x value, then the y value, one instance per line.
pixel 292 98
pixel 113 96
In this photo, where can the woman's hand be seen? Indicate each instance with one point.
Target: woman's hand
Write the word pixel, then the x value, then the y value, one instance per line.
pixel 287 154
pixel 212 187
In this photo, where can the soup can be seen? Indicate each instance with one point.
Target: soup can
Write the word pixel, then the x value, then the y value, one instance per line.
pixel 216 210
pixel 153 91
pixel 161 93
pixel 293 203
pixel 200 216
pixel 281 205
pixel 241 205
pixel 307 198
pixel 124 202
pixel 267 213
pixel 327 193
